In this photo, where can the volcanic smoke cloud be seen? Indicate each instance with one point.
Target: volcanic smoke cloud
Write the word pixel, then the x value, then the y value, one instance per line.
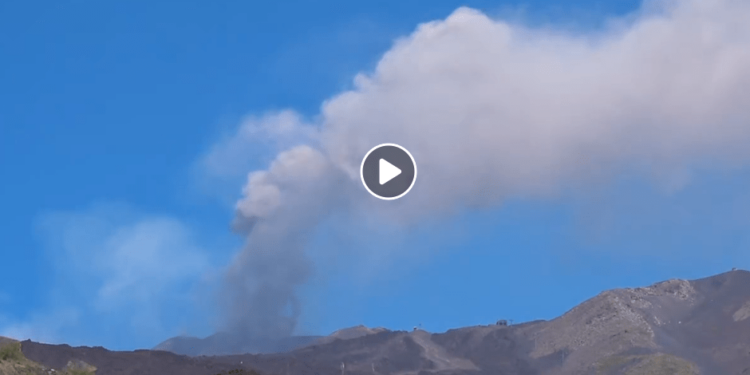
pixel 492 110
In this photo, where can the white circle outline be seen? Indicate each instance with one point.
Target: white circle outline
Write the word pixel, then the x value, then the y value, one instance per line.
pixel 362 166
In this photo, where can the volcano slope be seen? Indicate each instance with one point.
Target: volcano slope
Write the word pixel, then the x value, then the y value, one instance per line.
pixel 673 327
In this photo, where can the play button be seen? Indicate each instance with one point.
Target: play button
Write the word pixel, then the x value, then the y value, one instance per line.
pixel 388 171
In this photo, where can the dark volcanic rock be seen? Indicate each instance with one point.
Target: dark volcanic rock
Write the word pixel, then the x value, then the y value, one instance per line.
pixel 139 362
pixel 228 344
pixel 672 327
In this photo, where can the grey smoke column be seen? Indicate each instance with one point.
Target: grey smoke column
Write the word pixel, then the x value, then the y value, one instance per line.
pixel 261 283
pixel 262 280
pixel 492 110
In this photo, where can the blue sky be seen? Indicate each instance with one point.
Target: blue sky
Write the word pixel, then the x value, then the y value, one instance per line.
pixel 107 109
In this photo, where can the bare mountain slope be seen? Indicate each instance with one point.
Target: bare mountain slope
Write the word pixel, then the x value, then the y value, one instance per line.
pixel 672 327
pixel 228 344
pixel 699 321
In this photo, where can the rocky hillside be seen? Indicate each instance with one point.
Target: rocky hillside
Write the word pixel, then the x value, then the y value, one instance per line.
pixel 673 327
pixel 226 344
pixel 14 362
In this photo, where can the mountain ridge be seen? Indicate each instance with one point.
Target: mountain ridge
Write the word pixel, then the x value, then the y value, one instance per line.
pixel 676 326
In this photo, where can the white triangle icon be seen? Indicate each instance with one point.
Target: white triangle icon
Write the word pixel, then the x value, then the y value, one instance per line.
pixel 387 171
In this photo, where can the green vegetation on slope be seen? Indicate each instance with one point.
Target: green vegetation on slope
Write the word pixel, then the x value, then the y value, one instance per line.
pixel 76 367
pixel 11 352
pixel 13 362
